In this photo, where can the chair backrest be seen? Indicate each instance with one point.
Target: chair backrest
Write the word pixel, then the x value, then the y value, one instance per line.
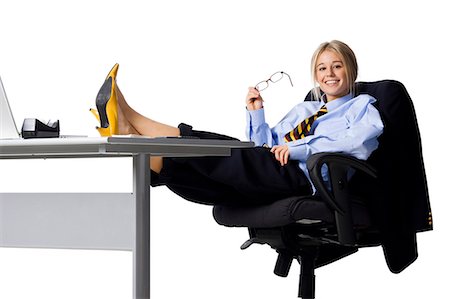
pixel 400 206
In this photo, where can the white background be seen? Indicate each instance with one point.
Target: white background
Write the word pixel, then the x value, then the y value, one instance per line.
pixel 192 61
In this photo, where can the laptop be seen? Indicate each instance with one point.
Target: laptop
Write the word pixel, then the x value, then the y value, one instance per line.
pixel 8 128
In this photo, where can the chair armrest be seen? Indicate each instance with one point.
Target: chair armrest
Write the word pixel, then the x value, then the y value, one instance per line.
pixel 337 163
pixel 338 197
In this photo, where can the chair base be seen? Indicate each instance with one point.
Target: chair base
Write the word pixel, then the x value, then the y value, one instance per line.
pixel 311 253
pixel 307 260
pixel 307 285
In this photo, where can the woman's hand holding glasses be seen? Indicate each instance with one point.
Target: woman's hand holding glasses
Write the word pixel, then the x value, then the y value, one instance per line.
pixel 253 99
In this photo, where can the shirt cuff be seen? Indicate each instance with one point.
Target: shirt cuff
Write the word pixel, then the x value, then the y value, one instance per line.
pixel 297 150
pixel 257 117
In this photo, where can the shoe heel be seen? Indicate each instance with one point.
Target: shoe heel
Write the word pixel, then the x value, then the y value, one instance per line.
pixel 95 113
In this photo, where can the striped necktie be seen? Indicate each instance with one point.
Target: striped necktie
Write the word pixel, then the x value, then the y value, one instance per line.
pixel 304 128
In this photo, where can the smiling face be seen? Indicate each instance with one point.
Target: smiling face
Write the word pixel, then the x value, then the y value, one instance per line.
pixel 331 75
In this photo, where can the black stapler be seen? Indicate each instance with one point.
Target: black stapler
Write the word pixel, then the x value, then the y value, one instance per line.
pixel 34 128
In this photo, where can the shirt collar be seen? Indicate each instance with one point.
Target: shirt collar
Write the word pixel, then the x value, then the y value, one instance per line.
pixel 337 102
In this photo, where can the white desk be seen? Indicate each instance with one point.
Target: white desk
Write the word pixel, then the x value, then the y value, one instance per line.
pixel 112 221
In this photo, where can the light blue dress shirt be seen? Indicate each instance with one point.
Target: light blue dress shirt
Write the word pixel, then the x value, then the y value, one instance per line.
pixel 351 126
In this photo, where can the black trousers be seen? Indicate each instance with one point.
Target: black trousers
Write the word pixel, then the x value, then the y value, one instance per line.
pixel 250 176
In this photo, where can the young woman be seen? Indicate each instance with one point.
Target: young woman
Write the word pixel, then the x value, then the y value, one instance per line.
pixel 338 121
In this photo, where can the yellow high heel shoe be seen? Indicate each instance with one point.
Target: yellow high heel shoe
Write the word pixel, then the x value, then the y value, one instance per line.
pixel 106 103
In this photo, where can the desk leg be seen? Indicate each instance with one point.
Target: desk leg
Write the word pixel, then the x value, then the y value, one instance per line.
pixel 141 250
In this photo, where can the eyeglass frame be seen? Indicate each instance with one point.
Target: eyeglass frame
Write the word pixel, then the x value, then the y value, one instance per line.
pixel 270 79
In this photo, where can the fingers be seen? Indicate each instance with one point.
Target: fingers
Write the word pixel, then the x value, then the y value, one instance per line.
pixel 253 99
pixel 252 94
pixel 281 153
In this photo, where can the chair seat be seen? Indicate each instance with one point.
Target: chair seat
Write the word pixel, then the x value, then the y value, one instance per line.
pixel 303 210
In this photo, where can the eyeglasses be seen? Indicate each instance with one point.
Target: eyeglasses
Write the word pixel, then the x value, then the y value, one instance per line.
pixel 274 78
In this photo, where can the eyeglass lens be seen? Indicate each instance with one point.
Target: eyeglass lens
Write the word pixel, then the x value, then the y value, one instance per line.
pixel 276 77
pixel 262 85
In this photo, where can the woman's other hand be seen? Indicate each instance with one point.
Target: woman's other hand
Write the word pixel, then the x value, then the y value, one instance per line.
pixel 253 99
pixel 281 153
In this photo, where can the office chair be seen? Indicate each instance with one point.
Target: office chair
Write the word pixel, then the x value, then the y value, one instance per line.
pixel 384 203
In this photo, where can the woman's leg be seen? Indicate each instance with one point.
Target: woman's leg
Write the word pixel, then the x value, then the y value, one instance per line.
pixel 132 122
pixel 144 125
pixel 248 176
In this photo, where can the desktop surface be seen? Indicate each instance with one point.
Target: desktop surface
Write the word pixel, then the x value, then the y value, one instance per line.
pixel 114 146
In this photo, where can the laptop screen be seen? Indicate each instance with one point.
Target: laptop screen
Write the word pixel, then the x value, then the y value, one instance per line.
pixel 8 129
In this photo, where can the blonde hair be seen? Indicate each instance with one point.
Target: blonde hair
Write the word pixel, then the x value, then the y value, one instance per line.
pixel 348 59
